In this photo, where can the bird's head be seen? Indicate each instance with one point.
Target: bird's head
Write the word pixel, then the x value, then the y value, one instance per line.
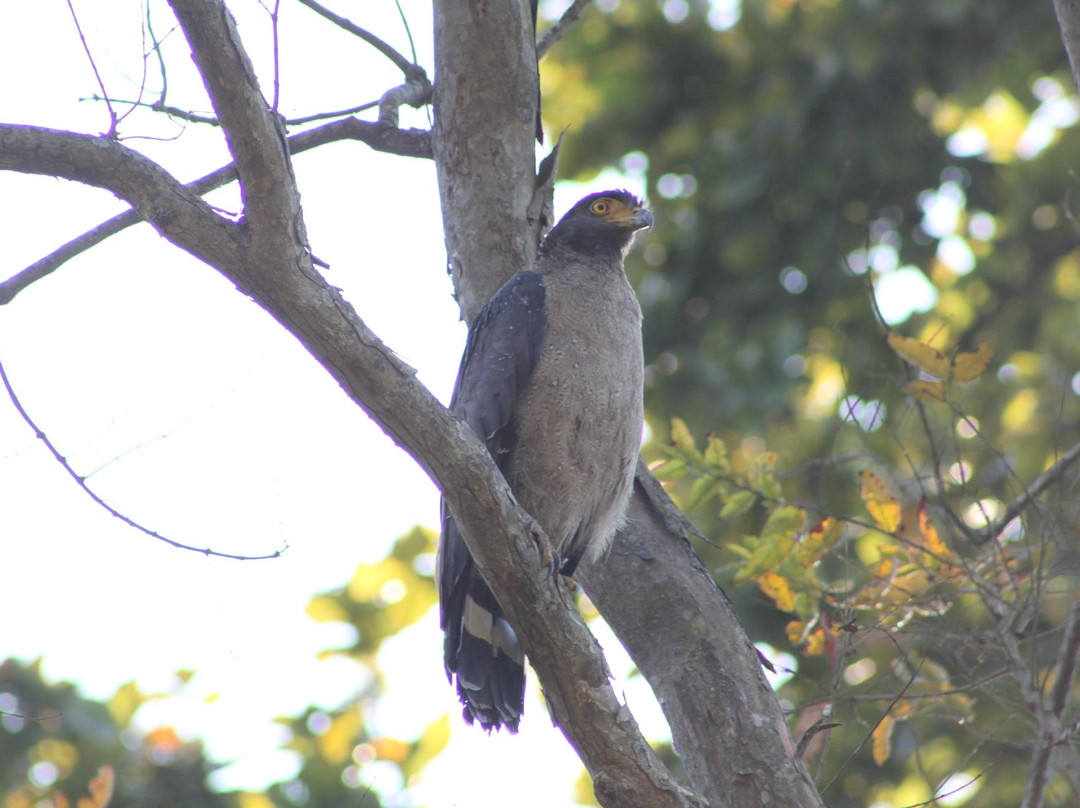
pixel 600 223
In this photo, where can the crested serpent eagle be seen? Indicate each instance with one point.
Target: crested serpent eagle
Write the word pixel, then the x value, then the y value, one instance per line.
pixel 551 381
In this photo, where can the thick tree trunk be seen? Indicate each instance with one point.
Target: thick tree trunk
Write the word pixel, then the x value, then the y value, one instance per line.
pixel 485 121
pixel 666 609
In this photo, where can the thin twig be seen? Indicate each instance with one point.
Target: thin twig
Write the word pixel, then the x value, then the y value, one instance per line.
pixel 93 66
pixel 156 50
pixel 1030 494
pixel 161 106
pixel 870 734
pixel 194 117
pixel 322 116
pixel 404 142
pixel 404 65
pixel 274 19
pixel 559 29
pixel 81 482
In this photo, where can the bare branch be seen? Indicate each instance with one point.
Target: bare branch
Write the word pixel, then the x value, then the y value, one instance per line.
pixel 404 142
pixel 254 133
pixel 81 482
pixel 93 66
pixel 559 29
pixel 414 93
pixel 322 116
pixel 157 197
pixel 410 69
pixel 1030 494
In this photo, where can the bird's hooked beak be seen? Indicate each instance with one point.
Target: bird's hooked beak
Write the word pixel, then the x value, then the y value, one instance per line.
pixel 637 219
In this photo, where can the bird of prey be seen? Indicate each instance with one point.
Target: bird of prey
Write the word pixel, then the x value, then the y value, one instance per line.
pixel 551 381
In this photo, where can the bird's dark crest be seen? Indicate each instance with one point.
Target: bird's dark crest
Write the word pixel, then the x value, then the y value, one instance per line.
pixel 601 223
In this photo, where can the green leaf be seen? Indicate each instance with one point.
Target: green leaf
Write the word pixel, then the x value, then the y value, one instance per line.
pixel 670 470
pixel 761 475
pixel 703 489
pixel 737 503
pixel 683 441
pixel 716 454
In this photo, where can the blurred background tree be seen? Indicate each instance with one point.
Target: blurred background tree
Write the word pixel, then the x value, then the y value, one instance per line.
pixel 804 158
pixel 822 171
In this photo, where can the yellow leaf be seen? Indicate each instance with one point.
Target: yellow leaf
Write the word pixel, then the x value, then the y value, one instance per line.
pixel 968 366
pixel 926 391
pixel 325 609
pixel 337 742
pixel 430 745
pixel 919 354
pixel 391 749
pixel 777 588
pixel 124 702
pixel 883 740
pixel 931 540
pixel 820 540
pixel 882 506
pixel 251 799
pixel 794 631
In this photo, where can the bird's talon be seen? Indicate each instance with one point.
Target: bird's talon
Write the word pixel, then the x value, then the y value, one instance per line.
pixel 548 557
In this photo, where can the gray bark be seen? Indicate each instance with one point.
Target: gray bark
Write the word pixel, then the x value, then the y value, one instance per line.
pixel 1068 15
pixel 485 121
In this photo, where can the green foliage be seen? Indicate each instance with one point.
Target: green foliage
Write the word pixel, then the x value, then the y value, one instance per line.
pixel 54 742
pixel 799 163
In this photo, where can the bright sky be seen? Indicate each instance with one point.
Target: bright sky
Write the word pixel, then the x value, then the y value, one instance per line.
pixel 195 414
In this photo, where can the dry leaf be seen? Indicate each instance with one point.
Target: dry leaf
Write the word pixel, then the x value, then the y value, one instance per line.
pixel 924 357
pixel 882 506
pixel 777 588
pixel 926 391
pixel 968 366
pixel 882 736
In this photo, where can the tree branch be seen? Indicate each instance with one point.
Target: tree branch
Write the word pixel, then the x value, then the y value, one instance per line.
pixel 485 123
pixel 274 268
pixel 254 133
pixel 81 482
pixel 1029 495
pixel 725 720
pixel 404 142
pixel 559 29
pixel 156 196
pixel 1068 15
pixel 410 70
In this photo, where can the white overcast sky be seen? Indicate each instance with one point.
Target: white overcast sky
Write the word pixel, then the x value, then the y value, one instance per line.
pixel 195 414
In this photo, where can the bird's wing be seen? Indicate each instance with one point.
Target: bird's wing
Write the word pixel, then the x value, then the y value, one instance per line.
pixel 501 352
pixel 481 648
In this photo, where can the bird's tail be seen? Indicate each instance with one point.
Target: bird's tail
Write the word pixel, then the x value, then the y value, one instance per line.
pixel 482 652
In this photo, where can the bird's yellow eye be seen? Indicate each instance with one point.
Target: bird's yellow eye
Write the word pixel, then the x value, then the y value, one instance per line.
pixel 600 207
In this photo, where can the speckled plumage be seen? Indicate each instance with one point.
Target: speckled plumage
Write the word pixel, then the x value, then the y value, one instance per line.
pixel 551 380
